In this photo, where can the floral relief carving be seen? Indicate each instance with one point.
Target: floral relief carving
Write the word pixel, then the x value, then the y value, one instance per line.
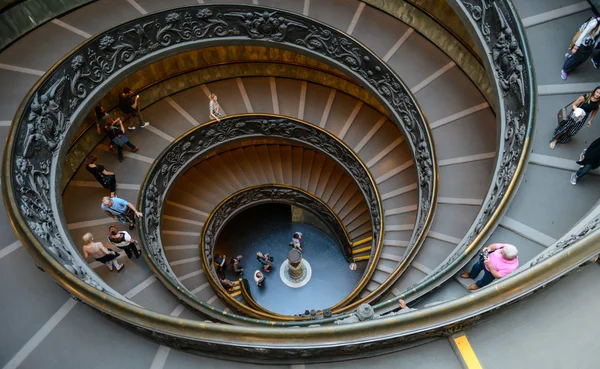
pixel 205 138
pixel 509 64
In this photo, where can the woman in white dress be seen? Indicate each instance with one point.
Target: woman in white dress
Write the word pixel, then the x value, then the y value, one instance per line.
pixel 215 109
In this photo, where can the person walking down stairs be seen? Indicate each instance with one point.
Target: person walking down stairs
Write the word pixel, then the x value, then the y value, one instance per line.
pixel 588 160
pixel 587 108
pixel 214 108
pixel 128 103
pixel 123 240
pixel 120 210
pixel 104 177
pixel 582 47
pixel 100 253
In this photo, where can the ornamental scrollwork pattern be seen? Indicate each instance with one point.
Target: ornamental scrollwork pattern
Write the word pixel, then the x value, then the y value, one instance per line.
pixel 566 242
pixel 500 31
pixel 56 108
pixel 268 194
pixel 185 151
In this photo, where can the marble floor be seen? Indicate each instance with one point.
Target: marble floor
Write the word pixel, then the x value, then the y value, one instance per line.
pixel 268 229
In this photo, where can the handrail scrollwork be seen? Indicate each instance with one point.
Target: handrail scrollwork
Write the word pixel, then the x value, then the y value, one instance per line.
pixel 186 151
pixel 498 31
pixel 53 110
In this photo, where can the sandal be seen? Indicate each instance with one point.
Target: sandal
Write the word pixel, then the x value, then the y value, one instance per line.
pixel 136 149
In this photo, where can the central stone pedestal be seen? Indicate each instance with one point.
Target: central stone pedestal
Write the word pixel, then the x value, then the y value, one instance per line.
pixel 295 272
pixel 295 264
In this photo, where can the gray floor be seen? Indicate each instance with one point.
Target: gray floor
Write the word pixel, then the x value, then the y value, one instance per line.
pixel 544 331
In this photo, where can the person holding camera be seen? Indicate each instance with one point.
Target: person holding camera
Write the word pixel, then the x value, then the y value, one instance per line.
pixel 496 261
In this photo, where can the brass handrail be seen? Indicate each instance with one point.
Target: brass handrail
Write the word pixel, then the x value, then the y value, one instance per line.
pixel 207 251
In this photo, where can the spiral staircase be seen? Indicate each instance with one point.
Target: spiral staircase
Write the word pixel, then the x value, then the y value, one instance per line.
pixel 539 211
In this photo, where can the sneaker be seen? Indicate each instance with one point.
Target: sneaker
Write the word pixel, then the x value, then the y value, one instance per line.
pixel 563 74
pixel 573 179
pixel 131 128
pixel 595 63
pixel 146 124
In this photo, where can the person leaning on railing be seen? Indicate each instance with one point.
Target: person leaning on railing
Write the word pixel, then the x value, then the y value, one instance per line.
pixel 497 260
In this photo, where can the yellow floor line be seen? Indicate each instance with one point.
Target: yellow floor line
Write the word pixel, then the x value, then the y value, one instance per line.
pixel 236 293
pixel 236 288
pixel 468 355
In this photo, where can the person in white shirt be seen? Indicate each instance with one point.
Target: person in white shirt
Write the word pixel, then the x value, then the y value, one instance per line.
pixel 582 48
pixel 123 240
pixel 259 278
pixel 296 241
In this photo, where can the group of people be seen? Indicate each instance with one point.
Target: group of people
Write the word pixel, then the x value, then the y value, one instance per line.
pixel 222 265
pixel 124 212
pixel 584 109
pixel 113 128
pixel 107 256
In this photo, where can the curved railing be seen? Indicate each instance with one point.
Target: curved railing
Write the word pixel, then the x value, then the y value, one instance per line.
pixel 500 35
pixel 51 110
pixel 248 197
pixel 50 114
pixel 189 148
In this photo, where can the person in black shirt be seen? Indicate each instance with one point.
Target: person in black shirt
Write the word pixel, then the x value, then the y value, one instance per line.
pixel 128 103
pixel 588 160
pixel 104 177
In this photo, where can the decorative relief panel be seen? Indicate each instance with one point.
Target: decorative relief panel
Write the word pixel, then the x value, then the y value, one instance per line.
pixel 185 151
pixel 501 37
pixel 49 113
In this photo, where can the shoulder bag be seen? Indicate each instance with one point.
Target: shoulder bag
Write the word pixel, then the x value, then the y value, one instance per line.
pixel 565 112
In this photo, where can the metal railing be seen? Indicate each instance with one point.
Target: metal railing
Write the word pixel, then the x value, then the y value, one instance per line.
pixel 50 114
pixel 47 117
pixel 189 148
pixel 500 35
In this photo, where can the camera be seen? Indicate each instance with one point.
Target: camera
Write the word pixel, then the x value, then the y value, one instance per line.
pixel 484 253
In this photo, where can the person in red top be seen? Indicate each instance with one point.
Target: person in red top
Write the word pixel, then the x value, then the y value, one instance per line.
pixel 498 260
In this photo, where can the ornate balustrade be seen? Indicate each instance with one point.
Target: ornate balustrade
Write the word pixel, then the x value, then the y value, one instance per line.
pixel 53 110
pixel 497 30
pixel 55 107
pixel 188 149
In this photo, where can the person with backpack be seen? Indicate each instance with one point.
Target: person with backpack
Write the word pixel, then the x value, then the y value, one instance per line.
pixel 586 104
pixel 582 47
pixel 123 240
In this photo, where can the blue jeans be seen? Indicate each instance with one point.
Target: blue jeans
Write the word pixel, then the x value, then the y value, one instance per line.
pixel 487 276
